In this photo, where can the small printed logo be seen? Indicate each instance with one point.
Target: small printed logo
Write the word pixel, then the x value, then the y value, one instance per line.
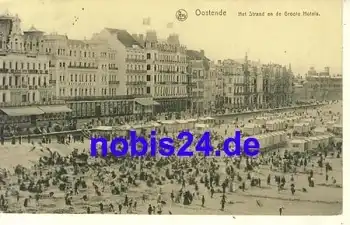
pixel 181 15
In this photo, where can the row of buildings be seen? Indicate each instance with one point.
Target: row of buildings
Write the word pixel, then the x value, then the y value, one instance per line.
pixel 318 86
pixel 116 73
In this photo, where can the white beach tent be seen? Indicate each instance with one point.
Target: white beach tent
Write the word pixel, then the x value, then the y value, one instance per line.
pixel 124 127
pixel 298 145
pixel 320 130
pixel 207 120
pixel 181 124
pixel 191 123
pixel 170 125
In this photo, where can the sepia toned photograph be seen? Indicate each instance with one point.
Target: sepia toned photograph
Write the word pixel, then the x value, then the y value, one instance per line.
pixel 73 72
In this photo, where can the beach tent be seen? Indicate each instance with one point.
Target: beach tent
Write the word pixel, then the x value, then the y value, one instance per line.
pixel 320 130
pixel 298 145
pixel 201 127
pixel 191 123
pixel 251 129
pixel 206 120
pixel 169 125
pixel 181 124
pixel 338 128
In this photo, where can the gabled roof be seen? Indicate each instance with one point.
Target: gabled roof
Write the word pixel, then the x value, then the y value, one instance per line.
pixel 76 42
pixel 32 29
pixel 124 37
pixel 195 55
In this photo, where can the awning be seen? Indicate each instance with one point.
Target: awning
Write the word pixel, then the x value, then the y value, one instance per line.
pixel 22 111
pixel 146 102
pixel 55 109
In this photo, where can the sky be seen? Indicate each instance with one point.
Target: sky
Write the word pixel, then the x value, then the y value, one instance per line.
pixel 301 41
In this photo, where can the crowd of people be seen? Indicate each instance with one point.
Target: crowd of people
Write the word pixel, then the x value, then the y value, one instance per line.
pixel 76 183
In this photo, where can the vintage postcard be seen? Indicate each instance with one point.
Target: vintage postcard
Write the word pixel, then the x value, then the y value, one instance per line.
pixel 159 107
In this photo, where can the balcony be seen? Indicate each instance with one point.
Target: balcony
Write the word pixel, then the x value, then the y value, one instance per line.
pixel 169 82
pixel 136 83
pixel 43 71
pixel 19 72
pixel 113 82
pixel 44 86
pixel 52 102
pixel 135 60
pixel 33 87
pixel 113 68
pixel 136 71
pixel 33 71
pixel 17 87
pixel 52 81
pixel 142 96
pixel 83 67
pixel 97 98
pixel 167 71
pixel 4 70
pixel 161 49
pixel 16 72
pixel 4 87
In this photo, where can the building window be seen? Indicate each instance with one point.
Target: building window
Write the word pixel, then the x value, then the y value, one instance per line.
pixel 148 90
pixel 148 67
pixel 148 78
pixel 148 55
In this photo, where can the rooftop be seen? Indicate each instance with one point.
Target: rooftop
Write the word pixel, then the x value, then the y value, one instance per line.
pixel 76 42
pixel 195 55
pixel 124 37
pixel 32 29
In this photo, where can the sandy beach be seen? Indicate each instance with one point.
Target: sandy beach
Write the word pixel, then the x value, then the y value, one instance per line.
pixel 323 199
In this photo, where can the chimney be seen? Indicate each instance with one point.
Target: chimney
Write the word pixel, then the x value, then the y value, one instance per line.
pixel 326 69
pixel 151 36
pixel 173 39
pixel 202 53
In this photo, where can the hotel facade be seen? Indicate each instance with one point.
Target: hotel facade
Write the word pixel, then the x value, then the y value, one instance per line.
pixel 25 81
pixel 166 71
pixel 322 85
pixel 116 73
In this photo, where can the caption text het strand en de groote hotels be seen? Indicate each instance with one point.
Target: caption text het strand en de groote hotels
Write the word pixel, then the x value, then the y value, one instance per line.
pixel 139 146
